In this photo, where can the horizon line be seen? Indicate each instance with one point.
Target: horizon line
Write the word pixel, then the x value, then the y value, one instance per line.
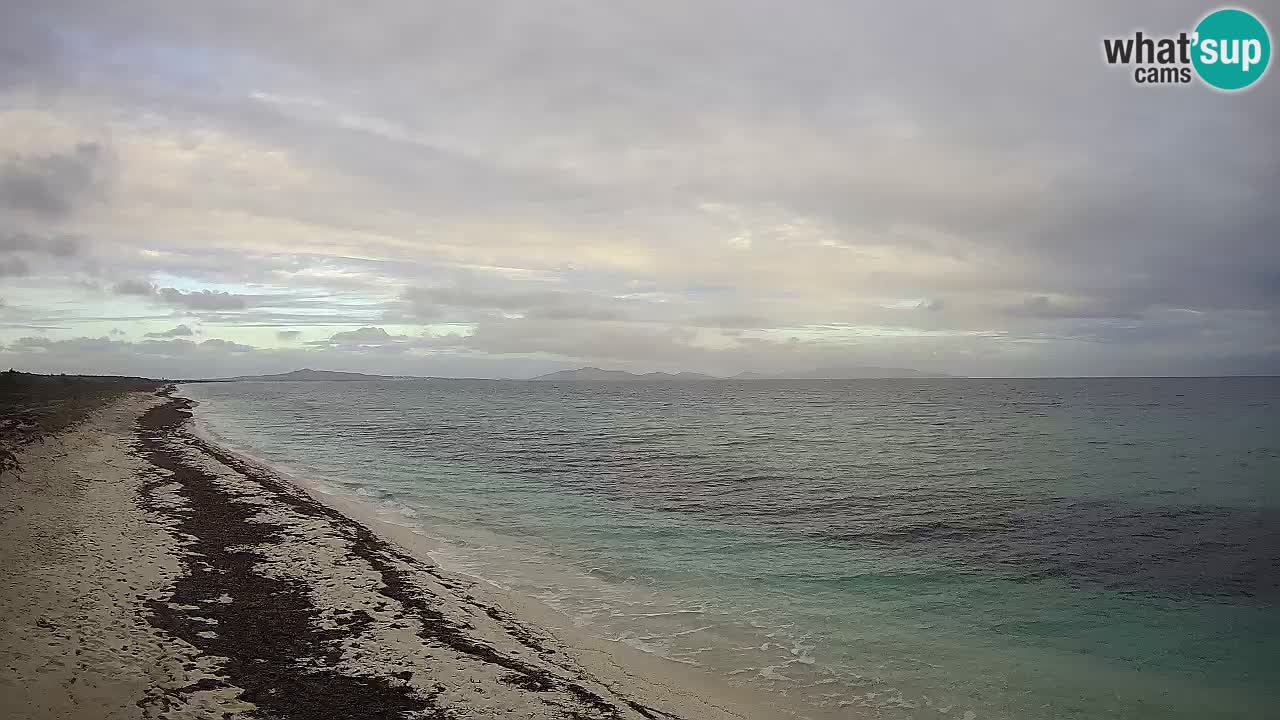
pixel 708 378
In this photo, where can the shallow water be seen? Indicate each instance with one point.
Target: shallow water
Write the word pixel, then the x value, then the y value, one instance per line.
pixel 926 548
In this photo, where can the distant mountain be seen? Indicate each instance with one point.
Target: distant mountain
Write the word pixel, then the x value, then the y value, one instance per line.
pixel 305 375
pixel 595 374
pixel 680 376
pixel 858 372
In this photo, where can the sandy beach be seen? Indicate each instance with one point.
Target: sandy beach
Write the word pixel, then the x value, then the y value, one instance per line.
pixel 149 574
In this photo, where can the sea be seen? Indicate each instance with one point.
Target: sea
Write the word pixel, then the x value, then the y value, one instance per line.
pixel 950 548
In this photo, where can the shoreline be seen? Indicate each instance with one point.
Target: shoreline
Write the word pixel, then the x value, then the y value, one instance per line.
pixel 653 674
pixel 257 595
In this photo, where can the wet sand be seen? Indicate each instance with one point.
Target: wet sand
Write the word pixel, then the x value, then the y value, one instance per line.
pixel 147 573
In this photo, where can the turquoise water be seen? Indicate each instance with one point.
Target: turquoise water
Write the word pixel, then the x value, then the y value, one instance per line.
pixel 921 548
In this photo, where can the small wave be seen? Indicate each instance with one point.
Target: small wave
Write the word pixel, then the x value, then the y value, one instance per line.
pixel 770 672
pixel 667 613
pixel 372 492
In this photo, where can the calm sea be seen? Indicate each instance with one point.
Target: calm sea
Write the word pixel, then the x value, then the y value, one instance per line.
pixel 925 548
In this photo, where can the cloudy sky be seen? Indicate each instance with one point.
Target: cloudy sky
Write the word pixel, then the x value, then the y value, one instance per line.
pixel 505 188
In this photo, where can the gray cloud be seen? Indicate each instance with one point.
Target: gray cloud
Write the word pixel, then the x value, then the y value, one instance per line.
pixel 88 346
pixel 366 339
pixel 466 303
pixel 202 299
pixel 289 335
pixel 51 185
pixel 226 345
pixel 363 336
pixel 57 246
pixel 176 331
pixel 13 267
pixel 210 300
pixel 133 287
pixel 18 250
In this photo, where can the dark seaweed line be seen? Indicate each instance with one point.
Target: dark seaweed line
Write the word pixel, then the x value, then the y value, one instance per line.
pixel 273 651
pixel 264 636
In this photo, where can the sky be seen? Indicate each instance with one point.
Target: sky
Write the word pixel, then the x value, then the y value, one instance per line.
pixel 501 189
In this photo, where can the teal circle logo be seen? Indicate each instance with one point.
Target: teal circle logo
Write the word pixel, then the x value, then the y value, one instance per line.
pixel 1232 49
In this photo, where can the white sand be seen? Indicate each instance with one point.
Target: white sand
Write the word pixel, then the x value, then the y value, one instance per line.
pixel 78 556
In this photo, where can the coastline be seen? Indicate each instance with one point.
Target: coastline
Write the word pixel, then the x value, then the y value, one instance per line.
pixel 154 572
